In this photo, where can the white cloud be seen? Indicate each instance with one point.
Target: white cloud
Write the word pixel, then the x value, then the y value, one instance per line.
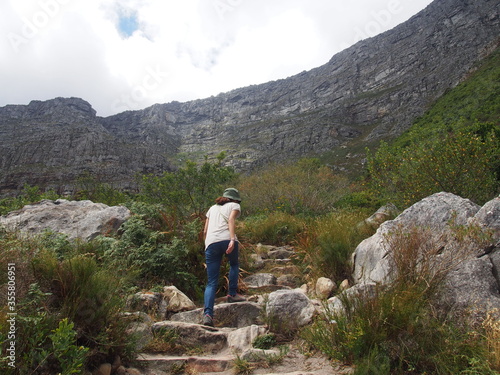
pixel 181 50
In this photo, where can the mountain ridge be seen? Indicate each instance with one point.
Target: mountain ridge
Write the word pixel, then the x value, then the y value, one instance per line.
pixel 368 92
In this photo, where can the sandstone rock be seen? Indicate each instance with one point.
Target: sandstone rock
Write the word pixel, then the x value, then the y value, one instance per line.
pixel 280 253
pixel 291 307
pixel 76 219
pixel 383 214
pixel 140 328
pixel 358 292
pixel 150 303
pixel 260 279
pixel 176 300
pixel 381 83
pixel 471 284
pixel 371 260
pixel 235 315
pixel 488 217
pixel 344 285
pixel 324 287
pixel 242 339
pixel 209 339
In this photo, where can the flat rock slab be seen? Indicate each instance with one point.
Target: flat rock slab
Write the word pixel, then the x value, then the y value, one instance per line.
pixel 197 364
pixel 235 315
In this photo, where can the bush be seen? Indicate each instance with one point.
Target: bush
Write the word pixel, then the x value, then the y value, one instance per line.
pixel 188 191
pixel 325 248
pixel 65 302
pixel 461 163
pixel 157 257
pixel 302 188
pixel 277 229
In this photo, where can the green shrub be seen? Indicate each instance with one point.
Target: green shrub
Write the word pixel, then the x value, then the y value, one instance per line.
pixel 325 248
pixel 187 191
pixel 88 187
pixel 277 228
pixel 264 341
pixel 88 295
pixel 462 163
pixel 70 357
pixel 157 257
pixel 305 187
pixel 29 194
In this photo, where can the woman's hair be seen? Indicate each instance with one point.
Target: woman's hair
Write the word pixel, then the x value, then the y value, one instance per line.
pixel 221 201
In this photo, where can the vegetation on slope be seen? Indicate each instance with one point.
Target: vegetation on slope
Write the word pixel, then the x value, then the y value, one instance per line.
pixel 454 147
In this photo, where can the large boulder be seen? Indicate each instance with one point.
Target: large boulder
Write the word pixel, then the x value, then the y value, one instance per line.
pixel 454 231
pixel 76 219
pixel 290 306
pixel 372 261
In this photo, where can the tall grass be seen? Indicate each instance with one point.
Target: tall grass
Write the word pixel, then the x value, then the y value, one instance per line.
pixel 325 248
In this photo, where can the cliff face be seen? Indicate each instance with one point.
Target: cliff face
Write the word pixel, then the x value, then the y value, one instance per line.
pixel 372 90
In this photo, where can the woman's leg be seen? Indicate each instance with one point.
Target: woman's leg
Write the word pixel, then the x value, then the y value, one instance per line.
pixel 234 270
pixel 213 258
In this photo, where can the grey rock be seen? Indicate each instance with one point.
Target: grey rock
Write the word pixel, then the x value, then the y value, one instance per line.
pixel 470 272
pixel 372 90
pixel 292 307
pixel 236 315
pixel 260 279
pixel 76 219
pixel 372 262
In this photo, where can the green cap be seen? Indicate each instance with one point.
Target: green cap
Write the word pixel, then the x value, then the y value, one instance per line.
pixel 232 193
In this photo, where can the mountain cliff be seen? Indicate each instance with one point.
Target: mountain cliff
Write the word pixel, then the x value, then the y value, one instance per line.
pixel 370 91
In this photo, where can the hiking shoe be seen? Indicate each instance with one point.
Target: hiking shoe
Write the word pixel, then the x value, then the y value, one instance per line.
pixel 235 298
pixel 208 321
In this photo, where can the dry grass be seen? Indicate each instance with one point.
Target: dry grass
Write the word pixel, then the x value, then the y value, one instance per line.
pixel 491 326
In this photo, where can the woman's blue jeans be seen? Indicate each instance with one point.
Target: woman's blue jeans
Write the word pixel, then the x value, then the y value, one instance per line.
pixel 213 259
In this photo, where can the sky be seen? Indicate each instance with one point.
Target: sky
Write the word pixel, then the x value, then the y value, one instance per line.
pixel 130 54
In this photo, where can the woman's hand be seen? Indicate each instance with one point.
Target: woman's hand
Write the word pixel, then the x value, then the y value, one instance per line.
pixel 230 247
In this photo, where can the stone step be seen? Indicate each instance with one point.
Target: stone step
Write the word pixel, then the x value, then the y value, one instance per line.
pixel 157 363
pixel 191 337
pixel 235 315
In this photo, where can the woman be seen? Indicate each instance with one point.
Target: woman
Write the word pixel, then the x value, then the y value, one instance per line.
pixel 220 240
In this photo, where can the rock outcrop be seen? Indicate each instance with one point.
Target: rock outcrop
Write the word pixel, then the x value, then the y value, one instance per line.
pixel 372 90
pixel 76 219
pixel 448 239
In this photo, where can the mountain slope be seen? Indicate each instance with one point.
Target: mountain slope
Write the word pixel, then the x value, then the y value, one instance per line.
pixel 370 91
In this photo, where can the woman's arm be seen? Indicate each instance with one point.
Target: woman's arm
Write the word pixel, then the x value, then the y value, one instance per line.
pixel 232 225
pixel 205 230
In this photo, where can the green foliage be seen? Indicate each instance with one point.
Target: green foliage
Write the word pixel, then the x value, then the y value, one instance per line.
pixel 264 342
pixel 88 187
pixel 156 255
pixel 302 188
pixel 277 228
pixel 70 357
pixel 189 190
pixel 463 163
pixel 454 147
pixel 30 194
pixel 86 294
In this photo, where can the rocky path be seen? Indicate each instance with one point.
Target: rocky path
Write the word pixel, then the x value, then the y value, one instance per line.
pixel 182 345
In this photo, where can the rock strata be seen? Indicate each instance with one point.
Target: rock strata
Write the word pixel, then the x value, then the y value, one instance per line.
pixel 372 90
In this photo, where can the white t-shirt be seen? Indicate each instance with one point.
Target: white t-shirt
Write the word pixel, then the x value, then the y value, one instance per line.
pixel 218 218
